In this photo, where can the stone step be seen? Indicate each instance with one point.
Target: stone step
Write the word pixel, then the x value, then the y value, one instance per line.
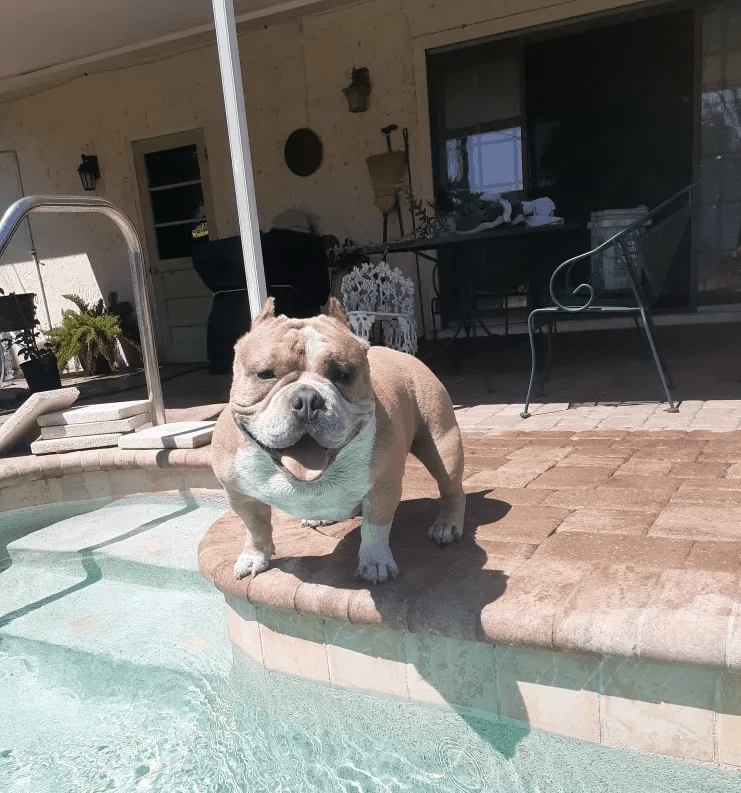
pixel 177 435
pixel 23 421
pixel 76 443
pixel 129 424
pixel 88 414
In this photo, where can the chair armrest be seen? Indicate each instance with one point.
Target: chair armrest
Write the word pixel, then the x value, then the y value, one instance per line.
pixel 586 289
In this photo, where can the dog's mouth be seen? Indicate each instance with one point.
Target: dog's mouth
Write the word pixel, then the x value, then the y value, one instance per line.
pixel 306 460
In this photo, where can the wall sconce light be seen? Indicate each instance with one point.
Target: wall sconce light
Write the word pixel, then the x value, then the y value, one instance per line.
pixel 89 171
pixel 358 90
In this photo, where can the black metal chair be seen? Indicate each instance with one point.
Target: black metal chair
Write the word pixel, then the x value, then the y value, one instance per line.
pixel 646 249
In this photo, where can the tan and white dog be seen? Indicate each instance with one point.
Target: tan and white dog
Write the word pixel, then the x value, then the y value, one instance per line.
pixel 319 425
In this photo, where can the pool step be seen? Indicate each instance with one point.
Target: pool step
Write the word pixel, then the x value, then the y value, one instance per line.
pixel 118 580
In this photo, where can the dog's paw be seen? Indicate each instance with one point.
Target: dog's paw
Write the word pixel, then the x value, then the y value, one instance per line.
pixel 377 572
pixel 443 532
pixel 250 563
pixel 316 524
pixel 376 567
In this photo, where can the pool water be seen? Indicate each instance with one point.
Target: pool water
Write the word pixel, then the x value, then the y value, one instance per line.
pixel 116 675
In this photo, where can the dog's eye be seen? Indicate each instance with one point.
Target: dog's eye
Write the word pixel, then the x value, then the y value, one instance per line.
pixel 342 376
pixel 266 374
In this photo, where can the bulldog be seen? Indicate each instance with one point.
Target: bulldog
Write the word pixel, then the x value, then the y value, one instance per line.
pixel 319 424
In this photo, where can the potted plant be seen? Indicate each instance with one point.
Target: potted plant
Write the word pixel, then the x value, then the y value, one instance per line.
pixel 39 366
pixel 89 335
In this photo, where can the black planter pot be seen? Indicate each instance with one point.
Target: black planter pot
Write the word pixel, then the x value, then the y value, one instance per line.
pixel 99 365
pixel 42 374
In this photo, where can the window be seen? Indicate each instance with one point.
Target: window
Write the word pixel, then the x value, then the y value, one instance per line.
pixel 176 195
pixel 476 112
pixel 487 163
pixel 719 222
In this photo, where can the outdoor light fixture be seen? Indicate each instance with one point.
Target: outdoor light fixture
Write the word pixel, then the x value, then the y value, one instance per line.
pixel 89 171
pixel 358 90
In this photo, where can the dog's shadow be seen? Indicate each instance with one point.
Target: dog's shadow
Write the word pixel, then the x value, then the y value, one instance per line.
pixel 439 589
pixel 440 592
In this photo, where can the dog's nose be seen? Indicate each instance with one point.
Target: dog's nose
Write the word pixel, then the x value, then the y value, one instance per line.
pixel 306 403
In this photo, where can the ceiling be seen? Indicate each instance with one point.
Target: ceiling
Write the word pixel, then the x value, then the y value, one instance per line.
pixel 49 38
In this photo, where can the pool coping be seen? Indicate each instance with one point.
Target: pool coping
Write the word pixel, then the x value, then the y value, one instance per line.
pixel 94 473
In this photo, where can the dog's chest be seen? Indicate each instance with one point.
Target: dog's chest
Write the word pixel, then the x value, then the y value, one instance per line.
pixel 334 497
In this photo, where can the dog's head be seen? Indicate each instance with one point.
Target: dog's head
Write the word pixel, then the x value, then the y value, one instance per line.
pixel 301 388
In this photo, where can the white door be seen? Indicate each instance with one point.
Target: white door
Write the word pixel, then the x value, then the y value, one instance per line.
pixel 175 194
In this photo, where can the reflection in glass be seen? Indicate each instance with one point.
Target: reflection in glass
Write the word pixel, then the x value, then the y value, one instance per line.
pixel 172 166
pixel 719 218
pixel 487 163
pixel 178 203
pixel 174 242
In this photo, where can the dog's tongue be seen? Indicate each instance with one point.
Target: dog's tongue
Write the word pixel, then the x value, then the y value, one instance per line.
pixel 306 460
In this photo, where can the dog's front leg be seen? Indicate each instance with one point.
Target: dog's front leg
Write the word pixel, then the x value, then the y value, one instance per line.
pixel 258 544
pixel 375 560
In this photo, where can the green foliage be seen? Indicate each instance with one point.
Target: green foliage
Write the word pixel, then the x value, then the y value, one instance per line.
pixel 426 221
pixel 28 343
pixel 85 334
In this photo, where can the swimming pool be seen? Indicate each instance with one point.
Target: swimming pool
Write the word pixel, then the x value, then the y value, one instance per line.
pixel 116 674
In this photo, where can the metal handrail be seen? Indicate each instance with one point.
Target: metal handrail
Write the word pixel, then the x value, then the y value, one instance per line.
pixel 616 239
pixel 38 203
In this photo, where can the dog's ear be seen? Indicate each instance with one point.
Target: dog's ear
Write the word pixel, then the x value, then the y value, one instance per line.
pixel 336 310
pixel 268 310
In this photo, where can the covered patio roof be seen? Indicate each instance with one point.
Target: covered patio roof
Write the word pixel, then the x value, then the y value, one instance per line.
pixel 53 42
pixel 53 39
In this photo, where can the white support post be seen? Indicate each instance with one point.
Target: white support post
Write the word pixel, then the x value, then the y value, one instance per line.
pixel 236 122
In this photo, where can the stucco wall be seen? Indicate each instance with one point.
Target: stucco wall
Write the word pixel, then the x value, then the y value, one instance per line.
pixel 293 76
pixel 101 114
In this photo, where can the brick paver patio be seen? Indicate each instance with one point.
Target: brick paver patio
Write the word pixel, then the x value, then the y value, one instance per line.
pixel 557 522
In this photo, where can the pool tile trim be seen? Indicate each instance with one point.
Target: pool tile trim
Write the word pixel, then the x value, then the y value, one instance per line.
pixel 622 702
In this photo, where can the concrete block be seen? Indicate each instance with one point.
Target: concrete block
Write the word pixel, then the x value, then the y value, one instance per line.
pixel 94 428
pixel 177 435
pixel 75 443
pixel 88 414
pixel 24 419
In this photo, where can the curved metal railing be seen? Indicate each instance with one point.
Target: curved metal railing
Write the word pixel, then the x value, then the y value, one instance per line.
pixel 618 240
pixel 24 206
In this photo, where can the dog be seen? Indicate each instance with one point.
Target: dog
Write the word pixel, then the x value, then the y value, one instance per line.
pixel 319 424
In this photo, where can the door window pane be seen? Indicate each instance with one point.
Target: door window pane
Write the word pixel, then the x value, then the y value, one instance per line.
pixel 178 203
pixel 719 256
pixel 487 163
pixel 174 242
pixel 477 115
pixel 172 166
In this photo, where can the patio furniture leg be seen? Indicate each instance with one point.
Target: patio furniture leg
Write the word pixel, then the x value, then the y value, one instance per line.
pixel 549 357
pixel 664 366
pixel 647 324
pixel 531 332
pixel 644 343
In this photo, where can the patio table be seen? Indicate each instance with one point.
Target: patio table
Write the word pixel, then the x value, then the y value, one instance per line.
pixel 469 252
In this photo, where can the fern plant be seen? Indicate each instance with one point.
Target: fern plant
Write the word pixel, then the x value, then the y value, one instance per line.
pixel 85 334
